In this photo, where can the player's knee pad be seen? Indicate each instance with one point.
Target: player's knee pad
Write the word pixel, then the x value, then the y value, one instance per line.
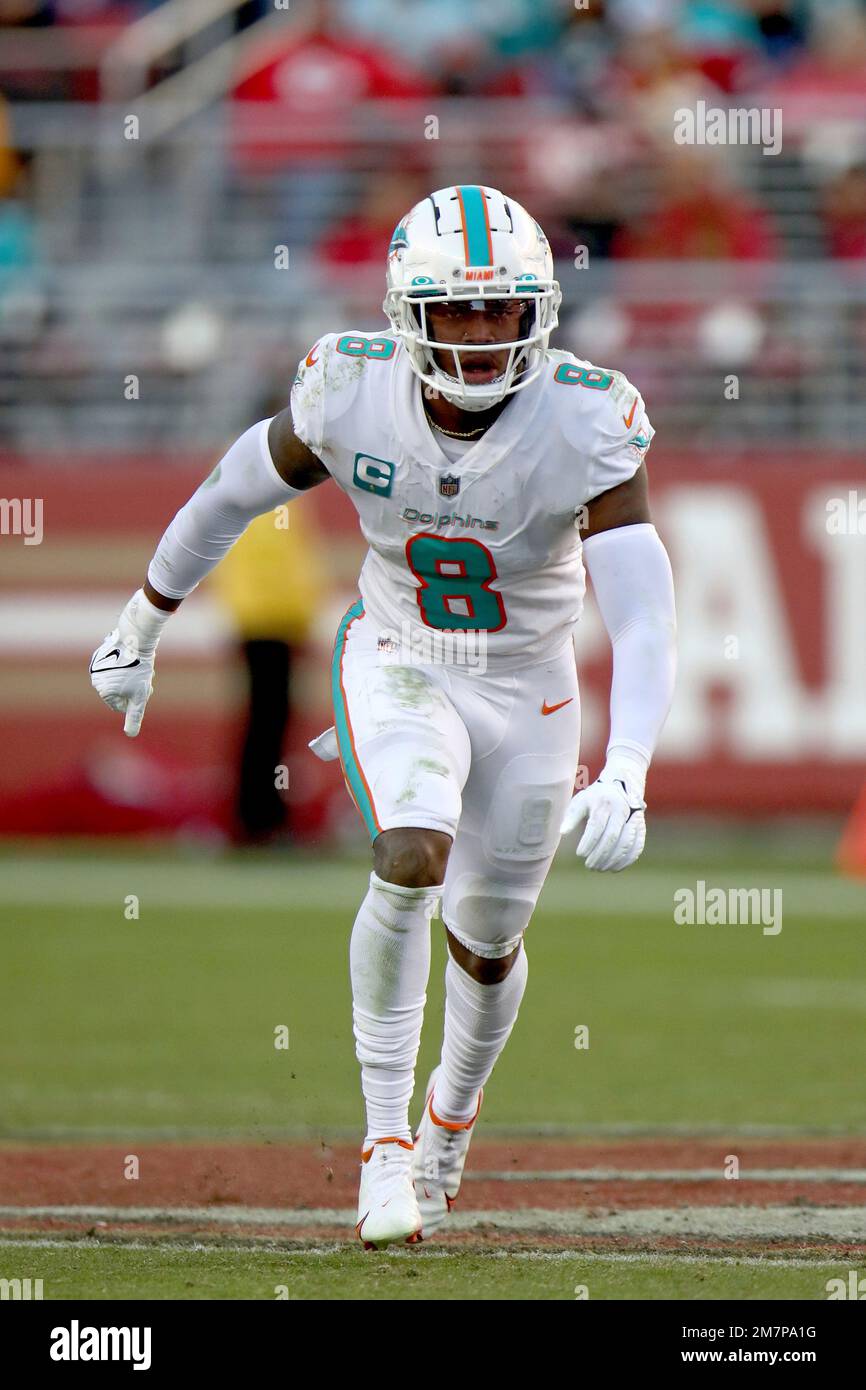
pixel 526 809
pixel 487 914
pixel 489 909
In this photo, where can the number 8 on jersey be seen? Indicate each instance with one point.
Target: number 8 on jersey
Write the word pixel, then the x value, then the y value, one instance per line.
pixel 454 570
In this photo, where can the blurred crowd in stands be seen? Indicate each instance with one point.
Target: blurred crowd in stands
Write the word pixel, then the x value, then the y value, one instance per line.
pixel 614 70
pixel 322 142
pixel 595 52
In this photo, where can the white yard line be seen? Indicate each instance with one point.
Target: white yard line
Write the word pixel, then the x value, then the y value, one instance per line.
pixel 839 1223
pixel 334 1134
pixel 853 1175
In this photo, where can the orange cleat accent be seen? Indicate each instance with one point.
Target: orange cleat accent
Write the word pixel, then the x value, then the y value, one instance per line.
pixel 454 1124
pixel 367 1154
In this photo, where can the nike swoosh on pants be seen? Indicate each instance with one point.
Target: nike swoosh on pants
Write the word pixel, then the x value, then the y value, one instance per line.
pixel 551 709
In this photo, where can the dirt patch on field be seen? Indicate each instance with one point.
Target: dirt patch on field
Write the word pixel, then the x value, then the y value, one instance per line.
pixel 233 1191
pixel 319 1175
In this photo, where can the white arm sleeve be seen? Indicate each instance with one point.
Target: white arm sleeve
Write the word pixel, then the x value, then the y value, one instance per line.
pixel 244 484
pixel 633 583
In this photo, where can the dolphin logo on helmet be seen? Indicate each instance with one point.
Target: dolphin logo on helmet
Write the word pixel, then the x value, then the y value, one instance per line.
pixel 471 242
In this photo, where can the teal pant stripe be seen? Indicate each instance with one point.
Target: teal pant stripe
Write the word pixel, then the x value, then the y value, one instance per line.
pixel 341 724
pixel 477 234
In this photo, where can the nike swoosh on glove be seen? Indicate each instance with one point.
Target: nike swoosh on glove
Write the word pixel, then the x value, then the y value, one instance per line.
pixel 611 814
pixel 121 668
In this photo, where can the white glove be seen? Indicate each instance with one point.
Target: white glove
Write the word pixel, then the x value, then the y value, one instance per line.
pixel 611 813
pixel 121 668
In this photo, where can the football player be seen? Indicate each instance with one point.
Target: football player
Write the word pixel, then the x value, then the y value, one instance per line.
pixel 486 469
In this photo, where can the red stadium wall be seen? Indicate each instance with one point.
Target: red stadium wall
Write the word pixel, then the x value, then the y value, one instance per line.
pixel 769 716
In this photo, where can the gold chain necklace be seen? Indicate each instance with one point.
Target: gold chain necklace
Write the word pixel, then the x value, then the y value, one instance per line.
pixel 456 434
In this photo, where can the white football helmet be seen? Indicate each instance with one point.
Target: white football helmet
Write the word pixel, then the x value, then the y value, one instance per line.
pixel 471 242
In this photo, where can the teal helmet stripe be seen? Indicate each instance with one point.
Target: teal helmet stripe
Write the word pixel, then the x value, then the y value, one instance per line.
pixel 476 225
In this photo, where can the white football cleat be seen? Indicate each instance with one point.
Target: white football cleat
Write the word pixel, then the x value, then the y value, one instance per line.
pixel 387 1205
pixel 441 1147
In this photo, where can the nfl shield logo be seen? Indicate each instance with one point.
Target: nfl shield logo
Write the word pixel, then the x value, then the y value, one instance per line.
pixel 449 486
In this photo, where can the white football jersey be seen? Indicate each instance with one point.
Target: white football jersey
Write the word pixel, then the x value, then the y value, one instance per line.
pixel 487 544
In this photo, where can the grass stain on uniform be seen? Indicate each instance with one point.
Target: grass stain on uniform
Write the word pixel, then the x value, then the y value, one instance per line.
pixel 418 765
pixel 410 687
pixel 432 765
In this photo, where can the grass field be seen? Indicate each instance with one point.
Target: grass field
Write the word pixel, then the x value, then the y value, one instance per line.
pixel 173 1272
pixel 140 996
